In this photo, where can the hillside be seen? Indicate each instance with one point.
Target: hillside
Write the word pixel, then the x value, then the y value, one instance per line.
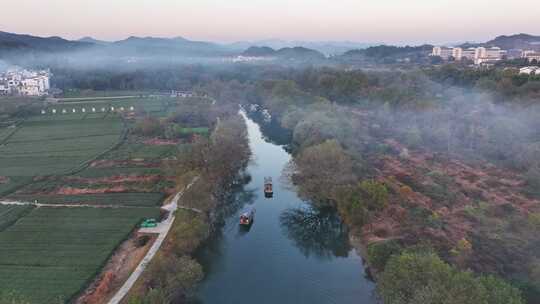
pixel 517 41
pixel 259 51
pixel 17 42
pixel 166 46
pixel 13 45
pixel 289 53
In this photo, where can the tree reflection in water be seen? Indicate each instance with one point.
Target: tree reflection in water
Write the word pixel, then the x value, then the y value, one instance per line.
pixel 316 232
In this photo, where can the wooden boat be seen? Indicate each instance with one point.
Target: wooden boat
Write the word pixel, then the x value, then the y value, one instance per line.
pixel 268 188
pixel 246 218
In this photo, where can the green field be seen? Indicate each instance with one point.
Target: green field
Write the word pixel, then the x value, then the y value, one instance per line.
pixel 54 146
pixel 137 150
pixel 49 255
pixel 139 199
pixel 11 213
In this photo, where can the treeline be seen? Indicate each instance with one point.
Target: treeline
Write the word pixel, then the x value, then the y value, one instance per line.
pixel 424 86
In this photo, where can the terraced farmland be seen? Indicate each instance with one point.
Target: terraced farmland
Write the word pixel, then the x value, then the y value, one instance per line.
pixel 49 254
pixel 50 147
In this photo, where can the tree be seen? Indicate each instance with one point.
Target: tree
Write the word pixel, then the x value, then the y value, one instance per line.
pixel 422 277
pixel 322 170
pixel 149 126
pixel 173 277
pixel 500 292
pixel 380 252
pixel 375 193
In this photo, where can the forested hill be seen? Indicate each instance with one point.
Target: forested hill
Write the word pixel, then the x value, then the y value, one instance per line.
pixel 518 41
pixel 16 42
pixel 284 53
pixel 14 45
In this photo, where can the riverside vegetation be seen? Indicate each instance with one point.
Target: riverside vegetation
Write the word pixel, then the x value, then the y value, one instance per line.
pixel 218 161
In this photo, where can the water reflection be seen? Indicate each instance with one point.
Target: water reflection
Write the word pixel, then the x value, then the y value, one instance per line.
pixel 271 129
pixel 289 253
pixel 316 232
pixel 238 199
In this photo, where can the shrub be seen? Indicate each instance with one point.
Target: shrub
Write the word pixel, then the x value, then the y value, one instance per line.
pixel 380 252
pixel 500 292
pixel 534 220
pixel 422 277
pixel 187 233
pixel 376 194
pixel 142 240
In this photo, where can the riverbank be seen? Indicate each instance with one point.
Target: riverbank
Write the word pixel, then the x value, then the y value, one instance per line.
pixel 173 273
pixel 292 253
pixel 401 216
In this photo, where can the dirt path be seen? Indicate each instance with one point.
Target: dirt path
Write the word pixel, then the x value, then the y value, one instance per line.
pixel 75 100
pixel 18 203
pixel 162 229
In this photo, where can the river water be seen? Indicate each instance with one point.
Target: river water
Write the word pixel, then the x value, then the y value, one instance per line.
pixel 292 253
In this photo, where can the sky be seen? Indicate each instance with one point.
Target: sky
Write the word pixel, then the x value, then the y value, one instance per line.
pixel 371 21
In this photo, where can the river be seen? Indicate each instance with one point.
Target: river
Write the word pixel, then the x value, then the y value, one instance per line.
pixel 292 253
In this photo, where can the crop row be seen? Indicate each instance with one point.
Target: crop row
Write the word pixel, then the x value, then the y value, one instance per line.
pixel 49 255
pixel 10 213
pixel 138 199
pixel 50 147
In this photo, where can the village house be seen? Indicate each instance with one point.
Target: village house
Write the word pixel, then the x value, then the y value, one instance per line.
pixel 24 82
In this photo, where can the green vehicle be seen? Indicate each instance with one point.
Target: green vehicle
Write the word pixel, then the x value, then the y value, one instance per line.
pixel 149 223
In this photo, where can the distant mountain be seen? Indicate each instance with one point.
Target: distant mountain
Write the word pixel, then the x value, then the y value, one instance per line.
pixel 10 42
pixel 289 53
pixel 15 45
pixel 166 46
pixel 94 41
pixel 259 51
pixel 518 41
pixel 299 53
pixel 326 47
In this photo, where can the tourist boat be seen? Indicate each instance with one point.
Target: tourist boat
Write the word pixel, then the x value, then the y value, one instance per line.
pixel 246 218
pixel 268 188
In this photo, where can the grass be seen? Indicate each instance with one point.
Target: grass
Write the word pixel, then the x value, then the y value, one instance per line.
pixel 51 254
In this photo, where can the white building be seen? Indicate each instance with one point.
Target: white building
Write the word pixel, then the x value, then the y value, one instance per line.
pixel 4 88
pixel 531 55
pixel 530 70
pixel 444 52
pixel 25 82
pixel 460 53
pixel 479 55
pixel 488 55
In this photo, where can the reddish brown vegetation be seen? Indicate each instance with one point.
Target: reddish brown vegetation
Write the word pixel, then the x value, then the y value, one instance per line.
pixel 412 175
pixel 161 142
pixel 117 270
pixel 125 163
